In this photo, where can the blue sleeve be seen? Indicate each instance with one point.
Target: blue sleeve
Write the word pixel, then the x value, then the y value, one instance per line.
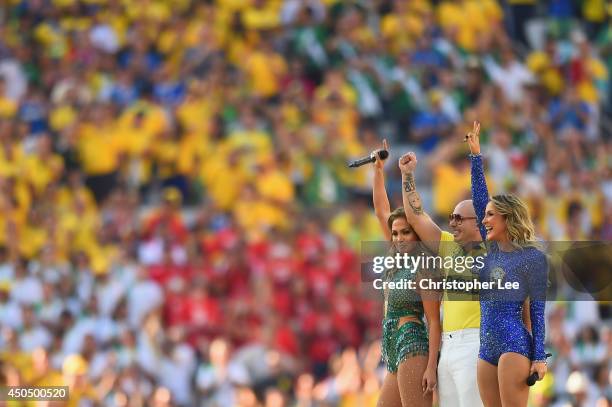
pixel 480 193
pixel 537 277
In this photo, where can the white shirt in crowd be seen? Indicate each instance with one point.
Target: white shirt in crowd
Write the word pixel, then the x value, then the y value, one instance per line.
pixel 103 329
pixel 103 37
pixel 176 371
pixel 152 252
pixel 510 78
pixel 109 295
pixel 14 77
pixel 10 314
pixel 218 384
pixel 27 291
pixel 35 337
pixel 146 354
pixel 144 297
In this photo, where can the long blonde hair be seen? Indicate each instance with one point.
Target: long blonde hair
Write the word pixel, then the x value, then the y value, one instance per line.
pixel 519 226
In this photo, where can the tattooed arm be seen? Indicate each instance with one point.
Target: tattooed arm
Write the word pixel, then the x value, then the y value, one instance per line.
pixel 423 225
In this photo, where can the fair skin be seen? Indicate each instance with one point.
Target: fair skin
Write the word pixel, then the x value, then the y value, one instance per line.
pixel 465 231
pixel 463 227
pixel 503 385
pixel 402 232
pixel 402 388
pixel 382 208
pixel 495 224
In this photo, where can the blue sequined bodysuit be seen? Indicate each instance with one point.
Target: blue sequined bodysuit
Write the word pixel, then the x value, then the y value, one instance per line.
pixel 501 324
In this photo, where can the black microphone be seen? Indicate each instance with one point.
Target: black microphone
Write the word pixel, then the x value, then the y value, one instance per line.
pixel 382 154
pixel 534 376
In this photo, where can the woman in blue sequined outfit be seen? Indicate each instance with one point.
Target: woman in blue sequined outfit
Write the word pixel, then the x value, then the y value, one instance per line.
pixel 509 353
pixel 409 347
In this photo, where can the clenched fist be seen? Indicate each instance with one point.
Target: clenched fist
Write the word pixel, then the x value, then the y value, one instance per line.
pixel 407 163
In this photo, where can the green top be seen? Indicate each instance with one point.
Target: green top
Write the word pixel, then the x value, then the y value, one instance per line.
pixel 402 302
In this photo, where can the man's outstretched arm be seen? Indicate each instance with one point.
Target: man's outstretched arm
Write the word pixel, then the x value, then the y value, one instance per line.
pixel 423 225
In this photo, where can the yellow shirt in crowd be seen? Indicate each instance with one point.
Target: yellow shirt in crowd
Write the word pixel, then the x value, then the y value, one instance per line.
pixel 469 19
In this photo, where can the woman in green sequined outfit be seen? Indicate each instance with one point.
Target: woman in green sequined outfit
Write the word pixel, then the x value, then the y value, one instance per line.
pixel 411 355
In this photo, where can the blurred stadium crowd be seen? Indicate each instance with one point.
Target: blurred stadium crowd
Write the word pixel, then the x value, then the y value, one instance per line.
pixel 177 222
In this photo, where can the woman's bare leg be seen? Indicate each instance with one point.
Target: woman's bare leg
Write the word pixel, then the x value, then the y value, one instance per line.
pixel 513 372
pixel 409 379
pixel 488 386
pixel 389 393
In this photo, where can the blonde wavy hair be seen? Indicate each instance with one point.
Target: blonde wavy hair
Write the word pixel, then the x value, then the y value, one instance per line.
pixel 519 226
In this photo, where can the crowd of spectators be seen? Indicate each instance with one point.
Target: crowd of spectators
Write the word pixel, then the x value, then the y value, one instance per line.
pixel 178 226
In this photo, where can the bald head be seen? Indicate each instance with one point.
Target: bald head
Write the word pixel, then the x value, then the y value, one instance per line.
pixel 465 231
pixel 465 208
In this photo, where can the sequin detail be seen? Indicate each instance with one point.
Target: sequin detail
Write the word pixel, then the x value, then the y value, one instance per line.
pixel 501 323
pixel 402 342
pixel 399 344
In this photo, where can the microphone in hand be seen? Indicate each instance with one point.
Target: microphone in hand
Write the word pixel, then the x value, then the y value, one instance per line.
pixel 534 376
pixel 532 379
pixel 382 155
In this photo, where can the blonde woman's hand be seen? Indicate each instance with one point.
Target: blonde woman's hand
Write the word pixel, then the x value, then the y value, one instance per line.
pixel 540 367
pixel 473 139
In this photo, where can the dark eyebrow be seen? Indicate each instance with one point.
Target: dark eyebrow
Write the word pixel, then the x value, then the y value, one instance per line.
pixel 406 230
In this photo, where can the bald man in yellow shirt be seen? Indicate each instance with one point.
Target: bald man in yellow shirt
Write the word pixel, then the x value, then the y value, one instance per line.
pixel 457 384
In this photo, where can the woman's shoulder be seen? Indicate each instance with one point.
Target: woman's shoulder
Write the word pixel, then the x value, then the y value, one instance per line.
pixel 534 257
pixel 533 251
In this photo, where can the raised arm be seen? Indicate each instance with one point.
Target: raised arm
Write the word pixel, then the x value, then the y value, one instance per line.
pixel 422 224
pixel 382 208
pixel 480 193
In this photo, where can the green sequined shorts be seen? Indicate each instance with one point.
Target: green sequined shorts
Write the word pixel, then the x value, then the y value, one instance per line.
pixel 404 342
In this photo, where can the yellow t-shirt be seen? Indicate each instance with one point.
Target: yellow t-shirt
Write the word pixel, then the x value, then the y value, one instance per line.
pixel 40 172
pixel 450 185
pixel 457 314
pixel 257 217
pixel 10 164
pixel 62 117
pixel 8 107
pixel 356 231
pixel 195 113
pixel 264 72
pixel 222 180
pixel 470 19
pixel 191 150
pixel 275 185
pixel 165 153
pixel 98 150
pixel 401 29
pixel 594 10
pixel 261 19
